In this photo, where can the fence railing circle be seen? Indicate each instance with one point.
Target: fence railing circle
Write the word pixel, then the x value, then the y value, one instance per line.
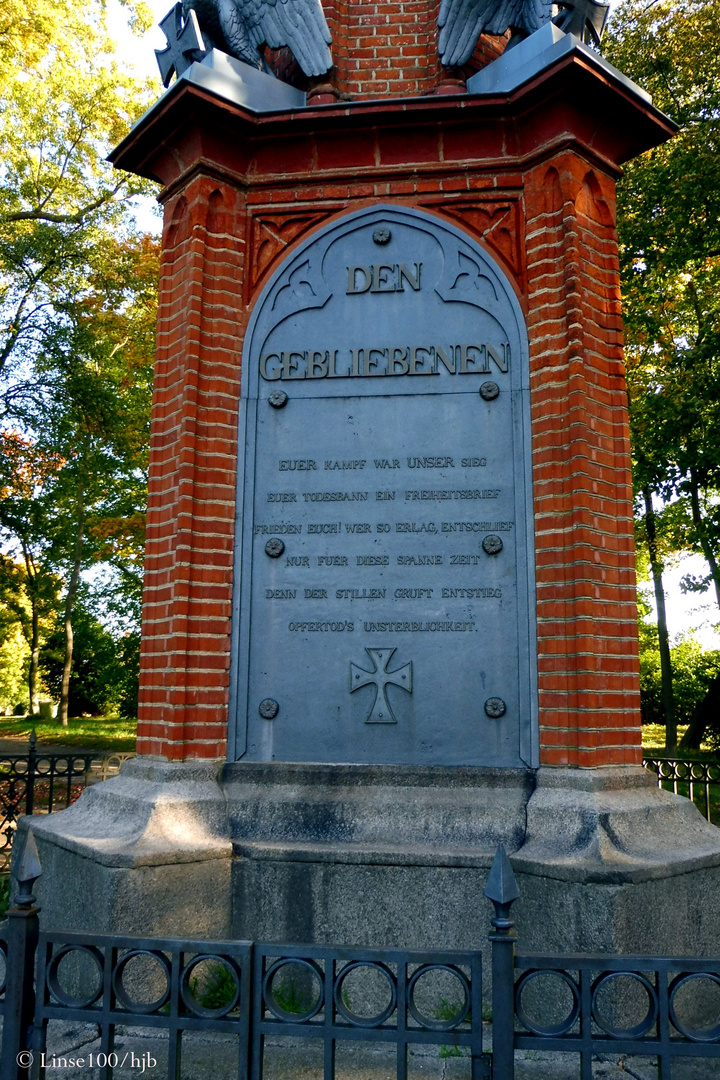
pixel 120 991
pixel 547 1030
pixel 637 1030
pixel 53 981
pixel 186 989
pixel 346 1011
pixel 429 1022
pixel 276 1009
pixel 712 1034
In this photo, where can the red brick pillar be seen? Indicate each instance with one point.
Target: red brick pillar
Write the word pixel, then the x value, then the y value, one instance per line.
pixel 191 512
pixel 530 176
pixel 586 601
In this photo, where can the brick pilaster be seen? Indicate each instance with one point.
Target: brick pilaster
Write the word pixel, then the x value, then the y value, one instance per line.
pixel 586 602
pixel 193 458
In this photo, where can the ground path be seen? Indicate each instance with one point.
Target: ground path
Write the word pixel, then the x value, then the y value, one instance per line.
pixel 207 1057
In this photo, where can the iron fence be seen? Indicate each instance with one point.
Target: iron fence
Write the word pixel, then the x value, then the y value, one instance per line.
pixel 39 782
pixel 385 996
pixel 601 1004
pixel 650 1006
pixel 691 777
pixel 157 984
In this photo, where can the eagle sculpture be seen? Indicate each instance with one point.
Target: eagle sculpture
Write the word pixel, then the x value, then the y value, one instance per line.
pixel 242 27
pixel 461 22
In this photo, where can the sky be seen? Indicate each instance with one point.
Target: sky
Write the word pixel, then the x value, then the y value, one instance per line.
pixel 686 611
pixel 139 52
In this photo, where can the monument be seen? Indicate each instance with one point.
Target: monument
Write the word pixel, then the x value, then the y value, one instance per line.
pixel 389 615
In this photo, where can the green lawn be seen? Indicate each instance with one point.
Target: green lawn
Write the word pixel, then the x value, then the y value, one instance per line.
pixel 653 741
pixel 93 733
pixel 653 737
pixel 112 733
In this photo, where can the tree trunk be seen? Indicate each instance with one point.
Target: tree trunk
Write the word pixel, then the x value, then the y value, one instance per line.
pixel 34 641
pixel 69 605
pixel 34 658
pixel 666 675
pixel 703 713
pixel 699 524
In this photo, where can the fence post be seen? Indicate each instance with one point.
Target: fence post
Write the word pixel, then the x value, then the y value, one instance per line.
pixel 30 779
pixel 22 941
pixel 503 891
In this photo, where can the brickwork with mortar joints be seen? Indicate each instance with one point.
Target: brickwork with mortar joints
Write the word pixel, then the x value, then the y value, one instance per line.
pixel 239 194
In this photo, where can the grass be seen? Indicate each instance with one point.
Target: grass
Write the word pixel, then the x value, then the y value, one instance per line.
pixel 653 737
pixel 653 740
pixel 112 733
pixel 218 987
pixel 109 733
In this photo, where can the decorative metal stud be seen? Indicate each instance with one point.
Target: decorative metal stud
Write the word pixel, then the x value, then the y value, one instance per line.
pixel 489 391
pixel 492 544
pixel 495 707
pixel 278 399
pixel 268 708
pixel 274 547
pixel 382 235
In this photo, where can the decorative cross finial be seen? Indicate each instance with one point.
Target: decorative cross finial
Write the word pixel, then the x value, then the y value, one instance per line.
pixel 584 18
pixel 380 677
pixel 28 871
pixel 185 43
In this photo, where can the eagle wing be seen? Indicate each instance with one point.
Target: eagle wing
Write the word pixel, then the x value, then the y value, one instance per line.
pixel 300 24
pixel 461 22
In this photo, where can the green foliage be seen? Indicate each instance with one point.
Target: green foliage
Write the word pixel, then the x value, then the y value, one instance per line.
pixel 98 681
pixel 109 733
pixel 127 651
pixel 14 654
pixel 290 997
pixel 78 295
pixel 4 894
pixel 693 670
pixel 669 229
pixel 447 1011
pixel 217 987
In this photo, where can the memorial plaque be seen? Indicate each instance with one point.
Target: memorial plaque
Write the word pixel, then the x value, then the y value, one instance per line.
pixel 384 586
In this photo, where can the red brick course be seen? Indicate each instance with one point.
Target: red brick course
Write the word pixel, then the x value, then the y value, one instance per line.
pixel 237 199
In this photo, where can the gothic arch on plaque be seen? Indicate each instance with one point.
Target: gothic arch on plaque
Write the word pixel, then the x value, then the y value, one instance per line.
pixel 384 579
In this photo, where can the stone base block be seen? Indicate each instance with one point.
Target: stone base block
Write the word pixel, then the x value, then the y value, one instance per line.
pixel 383 856
pixel 146 852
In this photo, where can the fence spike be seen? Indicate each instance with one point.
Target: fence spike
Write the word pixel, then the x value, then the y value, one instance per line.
pixel 28 870
pixel 501 887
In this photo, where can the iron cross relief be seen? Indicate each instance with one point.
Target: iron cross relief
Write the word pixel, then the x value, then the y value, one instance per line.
pixel 185 43
pixel 380 677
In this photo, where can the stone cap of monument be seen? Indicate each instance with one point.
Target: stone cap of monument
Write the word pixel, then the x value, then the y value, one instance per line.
pixel 242 84
pixel 549 89
pixel 536 54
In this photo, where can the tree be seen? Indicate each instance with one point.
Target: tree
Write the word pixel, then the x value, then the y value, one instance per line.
pixel 669 231
pixel 28 584
pixel 98 363
pixel 696 671
pixel 77 293
pixel 97 681
pixel 64 104
pixel 89 418
pixel 669 228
